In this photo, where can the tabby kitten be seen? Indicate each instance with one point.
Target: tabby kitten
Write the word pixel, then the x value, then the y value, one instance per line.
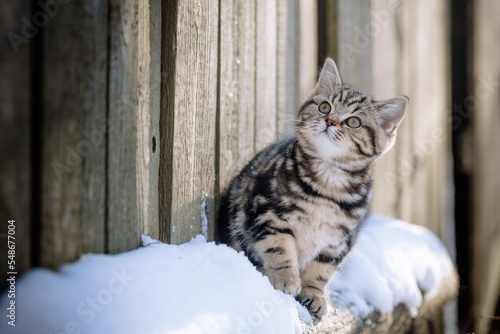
pixel 296 208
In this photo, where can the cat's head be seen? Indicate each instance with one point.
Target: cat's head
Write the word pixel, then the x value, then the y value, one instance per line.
pixel 340 123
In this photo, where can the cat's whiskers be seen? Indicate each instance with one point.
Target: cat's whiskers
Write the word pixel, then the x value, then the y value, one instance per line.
pixel 291 120
pixel 298 122
pixel 307 126
pixel 287 131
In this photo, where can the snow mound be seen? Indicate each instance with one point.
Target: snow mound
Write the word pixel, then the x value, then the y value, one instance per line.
pixel 392 263
pixel 201 287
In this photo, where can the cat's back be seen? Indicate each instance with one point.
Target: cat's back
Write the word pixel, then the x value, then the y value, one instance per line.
pixel 263 167
pixel 253 180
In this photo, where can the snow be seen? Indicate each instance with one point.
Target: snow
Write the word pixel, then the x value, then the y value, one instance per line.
pixel 201 287
pixel 204 219
pixel 390 264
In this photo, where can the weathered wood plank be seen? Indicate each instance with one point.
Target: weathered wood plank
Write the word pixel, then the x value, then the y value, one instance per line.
pixel 423 161
pixel 94 20
pixel 123 202
pixel 148 159
pixel 308 52
pixel 288 50
pixel 266 73
pixel 296 62
pixel 15 135
pixel 484 99
pixel 169 14
pixel 386 71
pixel 354 43
pixel 133 118
pixel 191 155
pixel 73 147
pixel 237 88
pixel 327 30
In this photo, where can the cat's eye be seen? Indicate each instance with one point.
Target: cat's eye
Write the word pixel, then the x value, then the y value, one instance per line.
pixel 325 108
pixel 353 122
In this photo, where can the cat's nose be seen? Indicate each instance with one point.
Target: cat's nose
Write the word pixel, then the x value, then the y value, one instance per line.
pixel 329 122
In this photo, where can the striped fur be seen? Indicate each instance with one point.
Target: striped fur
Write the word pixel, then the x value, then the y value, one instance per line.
pixel 296 208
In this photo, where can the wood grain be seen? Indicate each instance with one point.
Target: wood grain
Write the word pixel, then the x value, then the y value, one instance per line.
pixel 191 156
pixel 485 94
pixel 386 71
pixel 134 100
pixel 149 76
pixel 73 119
pixel 15 137
pixel 354 43
pixel 327 30
pixel 287 67
pixel 423 161
pixel 296 62
pixel 266 73
pixel 123 203
pixel 237 88
pixel 308 52
pixel 93 58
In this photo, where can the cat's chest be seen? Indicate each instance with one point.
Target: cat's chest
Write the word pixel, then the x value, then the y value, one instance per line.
pixel 318 230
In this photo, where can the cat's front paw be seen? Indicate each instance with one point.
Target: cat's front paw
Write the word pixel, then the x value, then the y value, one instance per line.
pixel 314 300
pixel 286 280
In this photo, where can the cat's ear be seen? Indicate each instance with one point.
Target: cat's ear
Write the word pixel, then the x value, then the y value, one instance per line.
pixel 329 78
pixel 390 113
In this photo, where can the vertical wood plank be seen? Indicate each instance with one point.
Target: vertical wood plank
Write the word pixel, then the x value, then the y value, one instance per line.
pixel 94 57
pixel 308 53
pixel 354 48
pixel 288 96
pixel 386 69
pixel 237 87
pixel 423 163
pixel 296 60
pixel 123 207
pixel 169 14
pixel 60 198
pixel 148 159
pixel 73 145
pixel 15 135
pixel 132 166
pixel 484 100
pixel 191 154
pixel 327 30
pixel 266 73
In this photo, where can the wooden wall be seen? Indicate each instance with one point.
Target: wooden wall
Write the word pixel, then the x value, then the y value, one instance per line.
pixel 482 103
pixel 16 136
pixel 122 118
pixel 99 114
pixel 233 81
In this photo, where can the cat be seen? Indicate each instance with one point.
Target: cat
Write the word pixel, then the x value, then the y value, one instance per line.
pixel 296 208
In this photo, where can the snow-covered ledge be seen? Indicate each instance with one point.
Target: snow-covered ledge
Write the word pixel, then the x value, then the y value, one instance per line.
pixel 398 276
pixel 396 272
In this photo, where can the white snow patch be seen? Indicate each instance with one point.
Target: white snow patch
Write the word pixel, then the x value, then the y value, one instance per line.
pixel 391 262
pixel 201 287
pixel 204 219
pixel 146 240
pixel 197 287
